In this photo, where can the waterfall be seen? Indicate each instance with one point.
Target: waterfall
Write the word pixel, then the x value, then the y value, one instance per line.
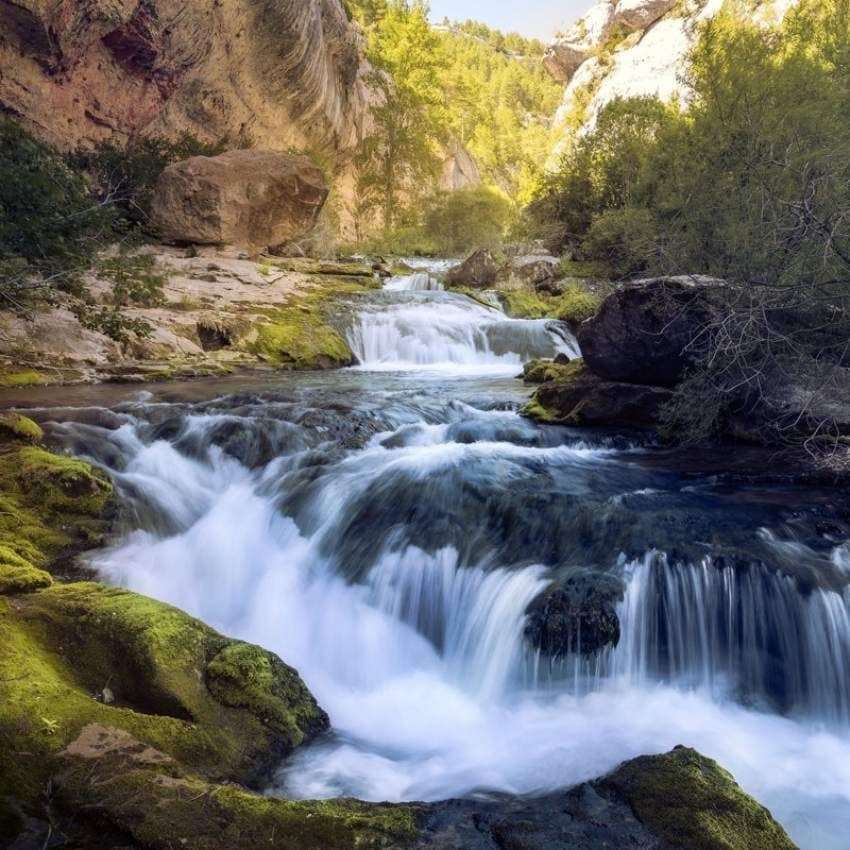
pixel 442 330
pixel 416 282
pixel 743 633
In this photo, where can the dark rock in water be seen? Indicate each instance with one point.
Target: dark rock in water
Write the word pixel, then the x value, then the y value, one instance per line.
pixel 575 615
pixel 677 800
pixel 648 332
pixel 478 270
pixel 587 399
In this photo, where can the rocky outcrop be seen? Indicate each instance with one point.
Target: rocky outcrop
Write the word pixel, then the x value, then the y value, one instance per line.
pixel 479 270
pixel 648 332
pixel 631 48
pixel 247 198
pixel 278 74
pixel 459 170
pixel 536 269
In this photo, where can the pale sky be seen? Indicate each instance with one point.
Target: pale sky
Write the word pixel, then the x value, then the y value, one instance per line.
pixel 538 18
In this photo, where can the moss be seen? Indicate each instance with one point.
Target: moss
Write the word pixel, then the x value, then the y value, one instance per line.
pixel 14 426
pixel 573 306
pixel 299 334
pixel 539 371
pixel 18 575
pixel 548 373
pixel 28 378
pixel 50 505
pixel 148 797
pixel 63 645
pixel 692 803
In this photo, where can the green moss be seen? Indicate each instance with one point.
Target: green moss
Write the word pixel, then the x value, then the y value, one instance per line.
pixel 18 575
pixel 539 371
pixel 49 504
pixel 694 804
pixel 158 804
pixel 14 426
pixel 573 306
pixel 29 378
pixel 63 645
pixel 299 335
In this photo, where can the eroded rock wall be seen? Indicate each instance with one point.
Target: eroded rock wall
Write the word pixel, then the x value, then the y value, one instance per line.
pixel 276 74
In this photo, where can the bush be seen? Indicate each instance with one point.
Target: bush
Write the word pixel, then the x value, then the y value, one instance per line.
pixel 623 239
pixel 126 176
pixel 49 221
pixel 464 219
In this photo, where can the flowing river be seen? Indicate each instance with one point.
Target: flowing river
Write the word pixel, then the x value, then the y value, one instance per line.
pixel 385 529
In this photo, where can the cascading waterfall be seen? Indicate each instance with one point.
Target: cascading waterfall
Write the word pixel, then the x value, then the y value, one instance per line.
pixel 394 570
pixel 416 282
pixel 744 633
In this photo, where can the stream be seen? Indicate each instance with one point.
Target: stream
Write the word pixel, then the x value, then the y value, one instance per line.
pixel 385 528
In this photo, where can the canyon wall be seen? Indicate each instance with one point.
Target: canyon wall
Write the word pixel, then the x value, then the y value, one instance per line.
pixel 276 74
pixel 632 48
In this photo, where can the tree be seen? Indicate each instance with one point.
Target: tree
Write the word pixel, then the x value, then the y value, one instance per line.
pixel 399 156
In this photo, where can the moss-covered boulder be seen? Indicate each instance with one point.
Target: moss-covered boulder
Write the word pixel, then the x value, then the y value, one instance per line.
pixel 540 370
pixel 145 796
pixel 15 426
pixel 572 306
pixel 692 803
pixel 80 654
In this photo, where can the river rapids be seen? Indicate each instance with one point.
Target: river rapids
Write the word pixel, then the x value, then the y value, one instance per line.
pixel 384 529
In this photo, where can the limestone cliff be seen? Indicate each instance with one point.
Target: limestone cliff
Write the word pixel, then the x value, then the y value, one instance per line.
pixel 277 74
pixel 631 48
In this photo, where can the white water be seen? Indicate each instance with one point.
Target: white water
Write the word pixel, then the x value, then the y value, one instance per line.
pixel 421 666
pixel 422 663
pixel 442 331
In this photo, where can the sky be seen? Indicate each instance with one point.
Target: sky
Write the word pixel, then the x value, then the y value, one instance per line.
pixel 537 18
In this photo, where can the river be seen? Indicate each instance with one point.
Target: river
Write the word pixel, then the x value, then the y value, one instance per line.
pixel 385 528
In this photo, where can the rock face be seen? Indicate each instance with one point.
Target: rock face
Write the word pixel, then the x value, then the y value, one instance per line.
pixel 278 74
pixel 244 197
pixel 628 49
pixel 648 332
pixel 480 270
pixel 535 268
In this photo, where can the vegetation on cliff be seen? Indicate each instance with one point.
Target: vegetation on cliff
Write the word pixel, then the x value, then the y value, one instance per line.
pixel 750 184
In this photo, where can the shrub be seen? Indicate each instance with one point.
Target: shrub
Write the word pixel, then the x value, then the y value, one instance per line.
pixel 464 219
pixel 622 239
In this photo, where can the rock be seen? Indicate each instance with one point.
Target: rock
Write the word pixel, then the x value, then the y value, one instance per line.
pixel 640 14
pixel 459 170
pixel 563 58
pixel 286 75
pixel 648 332
pixel 575 616
pixel 535 268
pixel 540 370
pixel 665 802
pixel 586 399
pixel 688 800
pixel 243 197
pixel 479 270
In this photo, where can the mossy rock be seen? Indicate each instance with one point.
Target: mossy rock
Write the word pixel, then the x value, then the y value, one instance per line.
pixel 17 575
pixel 69 646
pixel 109 779
pixel 692 803
pixel 540 370
pixel 50 505
pixel 15 426
pixel 573 306
pixel 27 378
pixel 300 334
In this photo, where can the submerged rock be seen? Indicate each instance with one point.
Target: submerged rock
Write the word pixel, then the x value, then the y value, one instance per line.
pixel 576 615
pixel 243 197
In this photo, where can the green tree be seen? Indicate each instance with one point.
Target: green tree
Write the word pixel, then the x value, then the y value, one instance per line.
pixel 467 218
pixel 399 157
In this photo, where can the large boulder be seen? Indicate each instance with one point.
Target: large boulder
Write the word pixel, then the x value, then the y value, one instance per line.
pixel 584 398
pixel 651 331
pixel 537 269
pixel 479 270
pixel 247 198
pixel 639 14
